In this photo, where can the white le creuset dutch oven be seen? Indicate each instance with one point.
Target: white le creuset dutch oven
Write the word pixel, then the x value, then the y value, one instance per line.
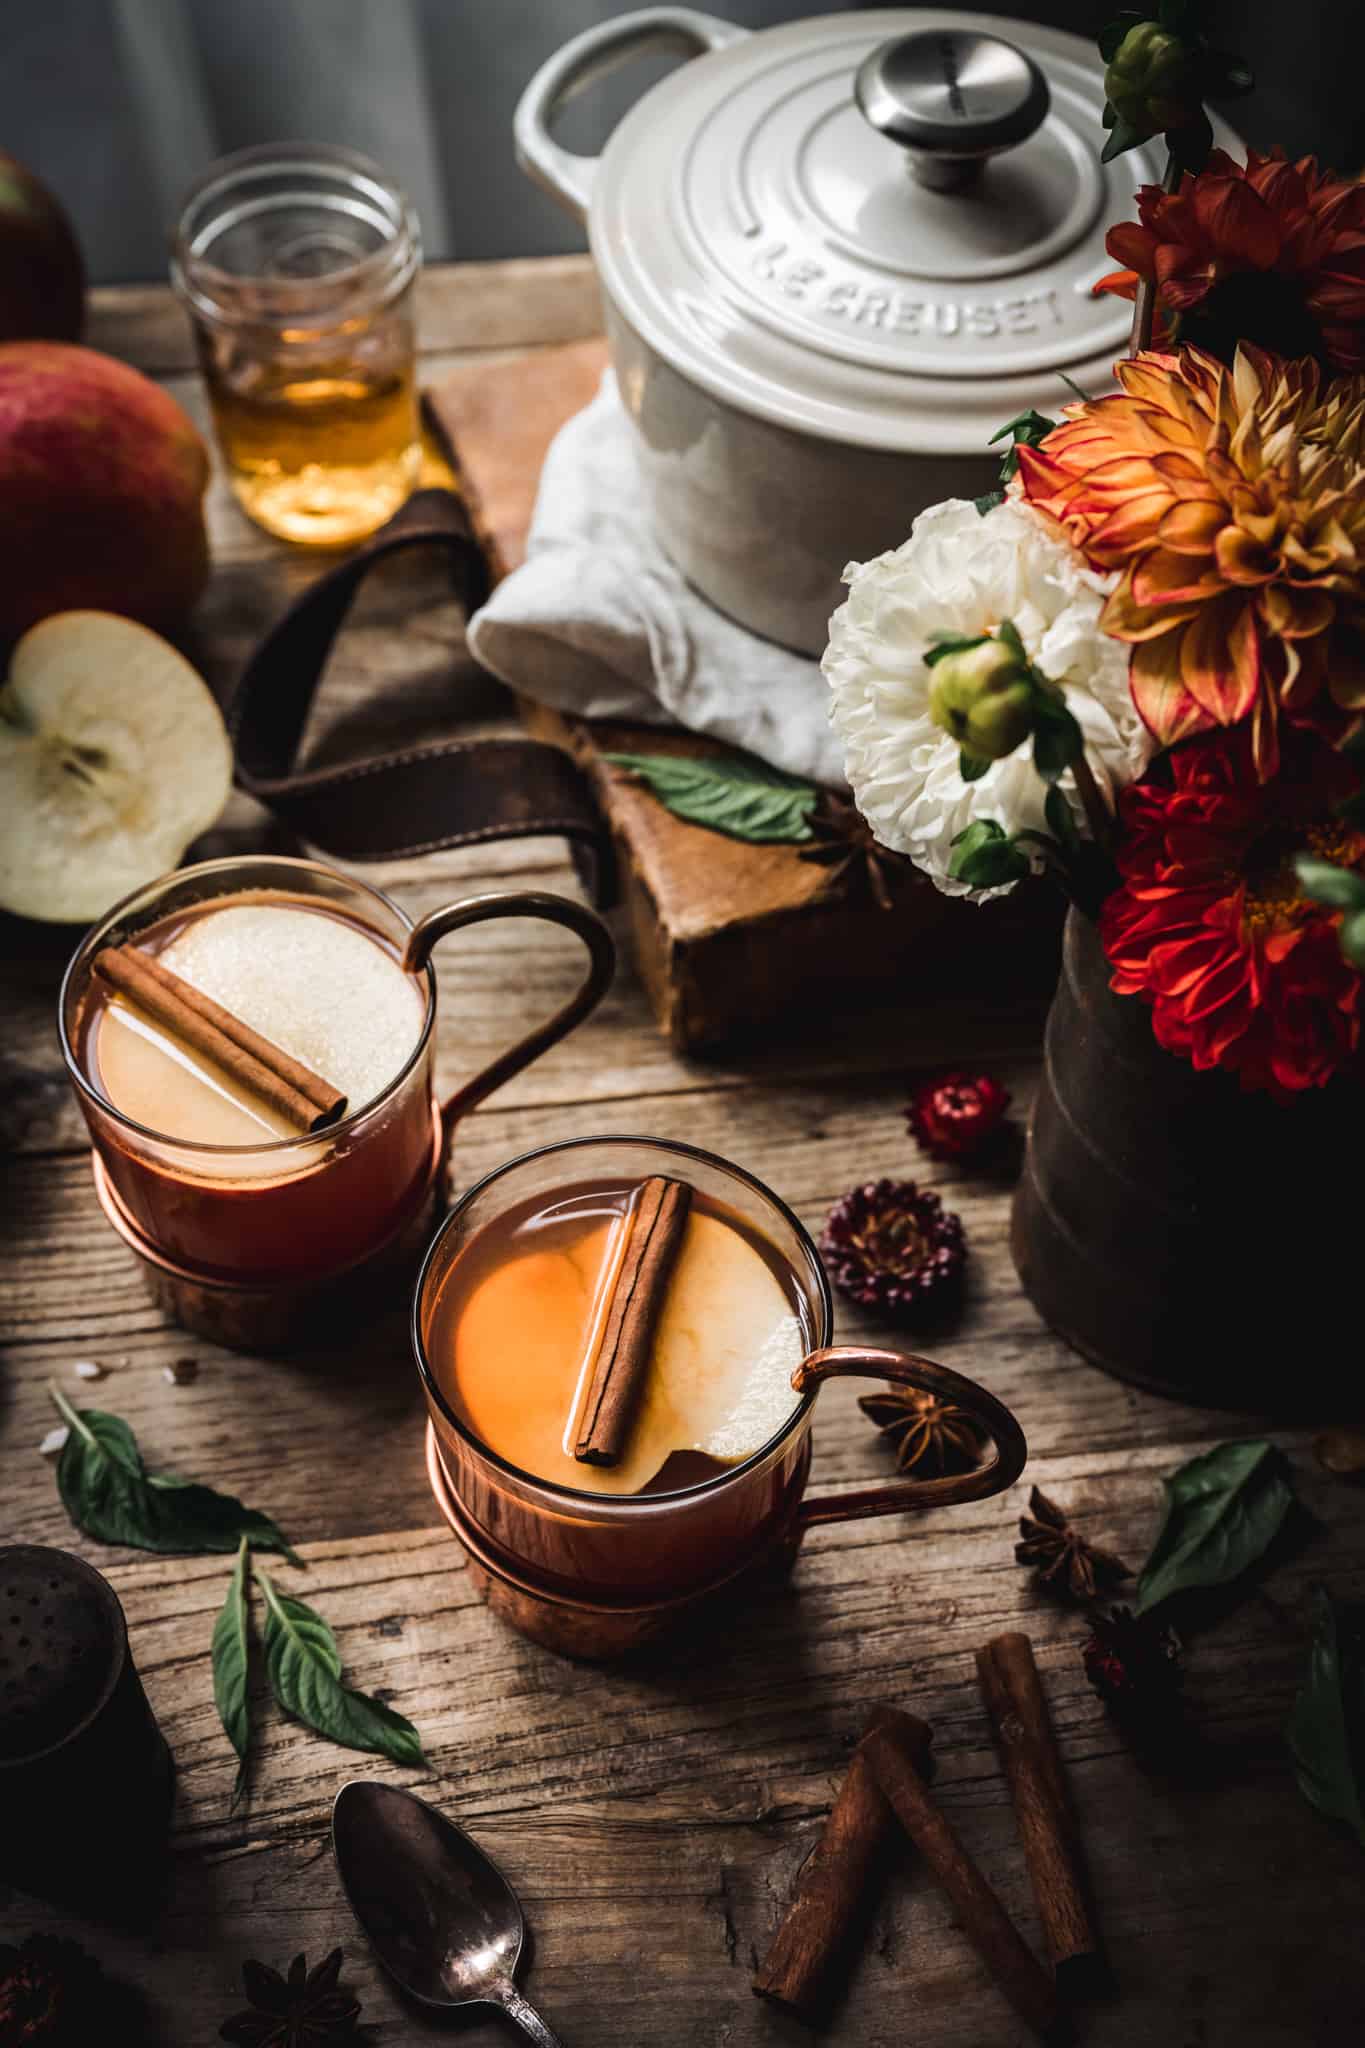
pixel 836 257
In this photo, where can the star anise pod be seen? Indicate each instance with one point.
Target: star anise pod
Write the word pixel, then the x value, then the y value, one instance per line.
pixel 304 2010
pixel 842 840
pixel 926 1430
pixel 1060 1556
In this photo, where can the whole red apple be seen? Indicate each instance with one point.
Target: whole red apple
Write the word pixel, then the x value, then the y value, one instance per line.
pixel 102 480
pixel 42 277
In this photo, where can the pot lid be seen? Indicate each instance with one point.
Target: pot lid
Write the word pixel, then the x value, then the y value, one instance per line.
pixel 880 227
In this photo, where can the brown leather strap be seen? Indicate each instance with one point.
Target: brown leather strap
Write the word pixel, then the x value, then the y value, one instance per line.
pixel 448 793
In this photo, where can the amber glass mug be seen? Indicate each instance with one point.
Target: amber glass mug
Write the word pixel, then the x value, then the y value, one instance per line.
pixel 594 1574
pixel 263 1245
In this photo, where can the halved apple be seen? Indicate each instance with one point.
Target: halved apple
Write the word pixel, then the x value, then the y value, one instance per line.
pixel 113 756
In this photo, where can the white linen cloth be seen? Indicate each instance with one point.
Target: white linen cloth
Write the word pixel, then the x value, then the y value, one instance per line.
pixel 597 620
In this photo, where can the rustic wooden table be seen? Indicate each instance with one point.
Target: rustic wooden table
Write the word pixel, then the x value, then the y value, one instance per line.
pixel 652 1817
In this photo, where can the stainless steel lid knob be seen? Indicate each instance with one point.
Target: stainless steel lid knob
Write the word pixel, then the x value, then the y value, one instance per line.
pixel 951 99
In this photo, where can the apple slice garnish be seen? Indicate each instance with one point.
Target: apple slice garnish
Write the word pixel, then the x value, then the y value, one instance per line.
pixel 113 756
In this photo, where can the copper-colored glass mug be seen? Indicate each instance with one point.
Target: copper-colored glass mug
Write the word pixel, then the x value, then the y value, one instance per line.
pixel 594 1574
pixel 266 1245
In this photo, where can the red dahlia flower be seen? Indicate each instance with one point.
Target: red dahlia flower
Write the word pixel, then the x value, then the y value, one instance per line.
pixel 1271 252
pixel 1209 926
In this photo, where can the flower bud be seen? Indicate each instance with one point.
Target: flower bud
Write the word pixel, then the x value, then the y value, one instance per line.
pixel 983 697
pixel 1151 81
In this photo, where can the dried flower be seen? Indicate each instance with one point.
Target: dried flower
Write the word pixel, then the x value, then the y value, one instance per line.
pixel 893 1247
pixel 842 840
pixel 1230 502
pixel 305 2010
pixel 1133 1662
pixel 961 573
pixel 926 1429
pixel 1060 1556
pixel 50 1994
pixel 957 1115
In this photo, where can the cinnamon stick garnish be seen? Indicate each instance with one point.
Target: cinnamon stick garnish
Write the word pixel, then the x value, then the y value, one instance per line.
pixel 1017 1707
pixel 987 1925
pixel 655 1223
pixel 302 1097
pixel 836 1884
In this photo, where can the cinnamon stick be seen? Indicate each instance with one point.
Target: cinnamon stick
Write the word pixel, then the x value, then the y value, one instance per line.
pixel 1017 1707
pixel 302 1097
pixel 655 1224
pixel 988 1926
pixel 835 1885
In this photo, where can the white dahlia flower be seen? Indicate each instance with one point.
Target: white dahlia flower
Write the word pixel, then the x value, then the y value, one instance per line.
pixel 960 572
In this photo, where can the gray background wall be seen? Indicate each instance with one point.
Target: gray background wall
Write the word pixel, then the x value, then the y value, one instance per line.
pixel 119 104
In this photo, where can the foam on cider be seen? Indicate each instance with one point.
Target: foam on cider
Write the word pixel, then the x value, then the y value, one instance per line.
pixel 314 984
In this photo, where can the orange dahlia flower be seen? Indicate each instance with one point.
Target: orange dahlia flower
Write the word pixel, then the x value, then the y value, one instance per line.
pixel 1272 252
pixel 1209 923
pixel 1232 504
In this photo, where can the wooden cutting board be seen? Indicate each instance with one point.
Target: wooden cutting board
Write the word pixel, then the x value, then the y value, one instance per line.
pixel 732 941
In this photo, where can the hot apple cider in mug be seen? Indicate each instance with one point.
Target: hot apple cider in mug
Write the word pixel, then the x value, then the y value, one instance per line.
pixel 620 1338
pixel 215 1165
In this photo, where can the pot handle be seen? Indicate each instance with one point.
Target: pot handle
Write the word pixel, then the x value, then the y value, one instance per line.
pixel 845 1361
pixel 565 175
pixel 575 917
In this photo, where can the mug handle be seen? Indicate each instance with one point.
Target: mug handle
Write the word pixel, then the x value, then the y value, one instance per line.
pixel 575 917
pixel 852 1361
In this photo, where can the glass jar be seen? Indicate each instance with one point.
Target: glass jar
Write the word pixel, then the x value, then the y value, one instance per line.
pixel 296 263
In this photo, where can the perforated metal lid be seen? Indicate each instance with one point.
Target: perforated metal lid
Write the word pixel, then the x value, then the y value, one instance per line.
pixel 62 1647
pixel 880 227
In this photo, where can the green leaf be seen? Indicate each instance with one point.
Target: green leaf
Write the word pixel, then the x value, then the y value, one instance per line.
pixel 303 1664
pixel 1226 76
pixel 988 501
pixel 1030 427
pixel 728 793
pixel 1057 738
pixel 1352 936
pixel 1191 144
pixel 1326 1727
pixel 944 644
pixel 231 1653
pixel 1339 888
pixel 970 766
pixel 1122 136
pixel 1008 633
pixel 1223 1511
pixel 107 1491
pixel 985 857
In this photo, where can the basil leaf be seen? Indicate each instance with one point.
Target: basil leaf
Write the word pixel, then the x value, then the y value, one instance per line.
pixel 727 793
pixel 1326 1728
pixel 1223 1510
pixel 303 1664
pixel 231 1651
pixel 107 1491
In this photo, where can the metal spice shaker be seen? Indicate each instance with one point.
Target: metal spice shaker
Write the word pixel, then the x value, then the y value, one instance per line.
pixel 86 1777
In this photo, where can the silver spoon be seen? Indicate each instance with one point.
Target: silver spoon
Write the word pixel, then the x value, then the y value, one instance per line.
pixel 439 1914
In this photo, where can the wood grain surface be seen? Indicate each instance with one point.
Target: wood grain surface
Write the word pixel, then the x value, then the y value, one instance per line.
pixel 652 1816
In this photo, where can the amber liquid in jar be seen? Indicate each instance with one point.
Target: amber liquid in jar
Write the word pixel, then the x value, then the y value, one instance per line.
pixel 322 457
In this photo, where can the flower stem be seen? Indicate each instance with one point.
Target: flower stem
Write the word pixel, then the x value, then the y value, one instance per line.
pixel 1097 812
pixel 1144 299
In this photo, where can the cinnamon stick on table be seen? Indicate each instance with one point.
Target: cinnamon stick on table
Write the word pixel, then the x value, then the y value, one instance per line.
pixel 1017 1707
pixel 987 1925
pixel 302 1097
pixel 835 1885
pixel 655 1223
